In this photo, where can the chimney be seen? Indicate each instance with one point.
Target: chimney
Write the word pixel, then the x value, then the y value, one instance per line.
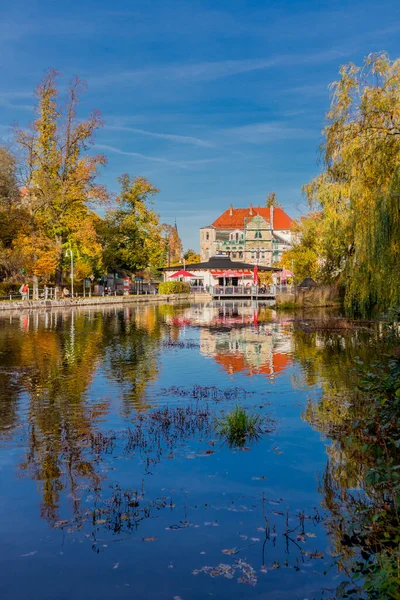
pixel 251 210
pixel 271 217
pixel 230 211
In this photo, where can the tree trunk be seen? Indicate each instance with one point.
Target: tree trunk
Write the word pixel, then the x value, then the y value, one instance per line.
pixel 35 290
pixel 59 269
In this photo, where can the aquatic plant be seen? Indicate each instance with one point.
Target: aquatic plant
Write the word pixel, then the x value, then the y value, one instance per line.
pixel 205 392
pixel 238 426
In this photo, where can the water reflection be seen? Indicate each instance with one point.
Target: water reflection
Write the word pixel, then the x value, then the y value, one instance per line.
pixel 91 412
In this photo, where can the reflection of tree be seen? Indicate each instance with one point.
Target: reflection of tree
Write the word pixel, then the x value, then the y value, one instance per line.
pixel 358 410
pixel 60 356
pixel 132 354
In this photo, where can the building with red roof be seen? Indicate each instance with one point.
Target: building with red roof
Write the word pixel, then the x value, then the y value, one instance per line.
pixel 257 235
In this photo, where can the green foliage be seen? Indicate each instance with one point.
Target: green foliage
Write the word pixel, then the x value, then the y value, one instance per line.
pixel 303 258
pixel 191 257
pixel 174 287
pixel 134 238
pixel 358 193
pixel 361 484
pixel 286 306
pixel 238 427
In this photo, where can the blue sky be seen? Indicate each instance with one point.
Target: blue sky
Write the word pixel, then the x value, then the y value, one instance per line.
pixel 214 102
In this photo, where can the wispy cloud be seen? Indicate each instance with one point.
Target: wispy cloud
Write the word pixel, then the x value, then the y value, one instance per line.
pixel 182 164
pixel 260 133
pixel 180 139
pixel 202 71
pixel 212 70
pixel 11 100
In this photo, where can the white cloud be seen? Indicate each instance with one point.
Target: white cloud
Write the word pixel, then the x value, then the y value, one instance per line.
pixel 180 139
pixel 11 100
pixel 258 133
pixel 182 164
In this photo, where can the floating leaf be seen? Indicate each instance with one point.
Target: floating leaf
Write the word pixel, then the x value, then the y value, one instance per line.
pixel 229 551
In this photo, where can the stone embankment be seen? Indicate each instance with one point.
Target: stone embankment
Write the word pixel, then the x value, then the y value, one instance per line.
pixel 18 305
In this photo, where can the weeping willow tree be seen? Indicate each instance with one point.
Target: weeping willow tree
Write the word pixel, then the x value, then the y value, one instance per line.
pixel 358 191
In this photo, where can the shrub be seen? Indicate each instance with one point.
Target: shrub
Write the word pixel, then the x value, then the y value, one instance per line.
pixel 174 287
pixel 238 427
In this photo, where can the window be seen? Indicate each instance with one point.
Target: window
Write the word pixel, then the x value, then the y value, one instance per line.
pixel 258 235
pixel 240 254
pixel 253 255
pixel 262 254
pixel 207 253
pixel 207 236
pixel 233 254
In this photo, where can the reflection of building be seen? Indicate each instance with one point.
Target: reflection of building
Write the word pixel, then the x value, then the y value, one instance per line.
pixel 257 235
pixel 241 338
pixel 261 351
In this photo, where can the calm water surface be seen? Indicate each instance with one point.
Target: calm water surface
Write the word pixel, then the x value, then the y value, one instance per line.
pixel 114 481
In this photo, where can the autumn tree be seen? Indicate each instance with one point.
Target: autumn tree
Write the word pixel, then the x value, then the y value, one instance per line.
pixel 60 176
pixel 12 217
pixel 173 244
pixel 272 200
pixel 191 256
pixel 133 233
pixel 304 257
pixel 358 192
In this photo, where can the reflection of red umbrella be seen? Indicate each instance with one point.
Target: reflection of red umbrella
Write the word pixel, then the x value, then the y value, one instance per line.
pixel 182 273
pixel 255 271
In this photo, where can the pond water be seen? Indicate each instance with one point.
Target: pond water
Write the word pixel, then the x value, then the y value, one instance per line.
pixel 115 481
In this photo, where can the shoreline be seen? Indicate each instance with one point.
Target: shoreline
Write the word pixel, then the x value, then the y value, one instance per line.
pixel 18 305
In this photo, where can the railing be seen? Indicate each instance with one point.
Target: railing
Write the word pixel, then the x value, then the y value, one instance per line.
pixel 51 294
pixel 267 291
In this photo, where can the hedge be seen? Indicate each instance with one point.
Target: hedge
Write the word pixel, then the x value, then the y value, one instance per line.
pixel 174 287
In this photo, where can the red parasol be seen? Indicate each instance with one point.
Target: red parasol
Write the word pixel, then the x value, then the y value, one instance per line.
pixel 255 271
pixel 182 273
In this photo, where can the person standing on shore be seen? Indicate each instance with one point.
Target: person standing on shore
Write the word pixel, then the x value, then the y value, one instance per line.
pixel 24 291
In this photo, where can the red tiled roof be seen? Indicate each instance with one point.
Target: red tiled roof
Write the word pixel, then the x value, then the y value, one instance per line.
pixel 236 219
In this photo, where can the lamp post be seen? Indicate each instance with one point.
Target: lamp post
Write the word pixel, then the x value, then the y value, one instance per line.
pixel 70 254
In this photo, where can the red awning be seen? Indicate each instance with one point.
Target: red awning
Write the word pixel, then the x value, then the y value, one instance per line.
pixel 231 273
pixel 182 273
